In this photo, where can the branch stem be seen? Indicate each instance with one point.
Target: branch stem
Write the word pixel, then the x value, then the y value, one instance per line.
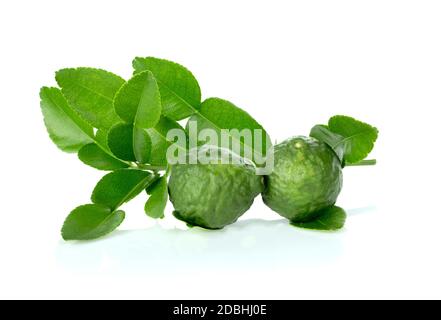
pixel 150 167
pixel 370 162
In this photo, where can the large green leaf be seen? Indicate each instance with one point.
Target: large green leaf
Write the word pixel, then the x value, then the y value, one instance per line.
pixel 180 91
pixel 91 221
pixel 91 92
pixel 218 114
pixel 160 143
pixel 65 127
pixel 158 192
pixel 332 218
pixel 120 186
pixel 92 155
pixel 138 102
pixel 359 137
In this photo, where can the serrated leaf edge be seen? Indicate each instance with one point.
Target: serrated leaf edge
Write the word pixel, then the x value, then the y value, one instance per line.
pixel 372 143
pixel 185 102
pixel 73 110
pixel 93 69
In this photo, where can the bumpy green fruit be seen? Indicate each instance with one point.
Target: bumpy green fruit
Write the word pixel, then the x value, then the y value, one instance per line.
pixel 307 178
pixel 213 195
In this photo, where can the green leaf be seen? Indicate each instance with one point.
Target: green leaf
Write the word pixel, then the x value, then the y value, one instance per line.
pixel 160 143
pixel 138 102
pixel 359 137
pixel 122 144
pixel 141 145
pixel 333 140
pixel 180 91
pixel 71 133
pixel 220 114
pixel 94 156
pixel 158 192
pixel 101 139
pixel 332 218
pixel 65 127
pixel 120 186
pixel 91 92
pixel 120 141
pixel 91 221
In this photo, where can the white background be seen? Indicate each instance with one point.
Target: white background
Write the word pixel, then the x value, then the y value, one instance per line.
pixel 291 64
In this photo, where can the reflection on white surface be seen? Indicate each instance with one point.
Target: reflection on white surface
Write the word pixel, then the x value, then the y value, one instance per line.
pixel 249 243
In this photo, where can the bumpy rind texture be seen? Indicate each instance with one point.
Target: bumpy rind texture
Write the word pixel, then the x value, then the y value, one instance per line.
pixel 307 178
pixel 212 196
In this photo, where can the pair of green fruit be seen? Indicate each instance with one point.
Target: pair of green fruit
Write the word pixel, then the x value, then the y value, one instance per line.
pixel 307 178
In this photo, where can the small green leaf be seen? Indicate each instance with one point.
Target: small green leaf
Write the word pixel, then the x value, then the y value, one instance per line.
pixel 138 103
pixel 359 137
pixel 180 91
pixel 158 192
pixel 94 156
pixel 91 92
pixel 335 141
pixel 160 143
pixel 120 186
pixel 332 218
pixel 65 127
pixel 220 114
pixel 91 221
pixel 120 141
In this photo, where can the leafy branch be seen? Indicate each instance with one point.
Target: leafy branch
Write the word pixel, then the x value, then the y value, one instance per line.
pixel 350 139
pixel 121 126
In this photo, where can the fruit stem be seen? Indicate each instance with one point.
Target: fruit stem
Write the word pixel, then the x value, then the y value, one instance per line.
pixel 370 162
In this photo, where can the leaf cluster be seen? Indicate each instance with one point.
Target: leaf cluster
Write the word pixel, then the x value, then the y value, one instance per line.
pixel 121 126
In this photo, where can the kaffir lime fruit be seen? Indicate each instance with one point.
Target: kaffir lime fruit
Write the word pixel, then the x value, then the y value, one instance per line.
pixel 307 178
pixel 213 195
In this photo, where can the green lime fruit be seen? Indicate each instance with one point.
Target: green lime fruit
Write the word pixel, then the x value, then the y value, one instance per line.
pixel 212 195
pixel 307 178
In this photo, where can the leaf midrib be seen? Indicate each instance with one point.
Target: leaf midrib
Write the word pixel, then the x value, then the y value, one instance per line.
pixel 165 138
pixel 322 223
pixel 142 98
pixel 112 212
pixel 233 137
pixel 135 121
pixel 154 196
pixel 93 91
pixel 350 137
pixel 176 95
pixel 79 126
pixel 130 193
pixel 77 121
